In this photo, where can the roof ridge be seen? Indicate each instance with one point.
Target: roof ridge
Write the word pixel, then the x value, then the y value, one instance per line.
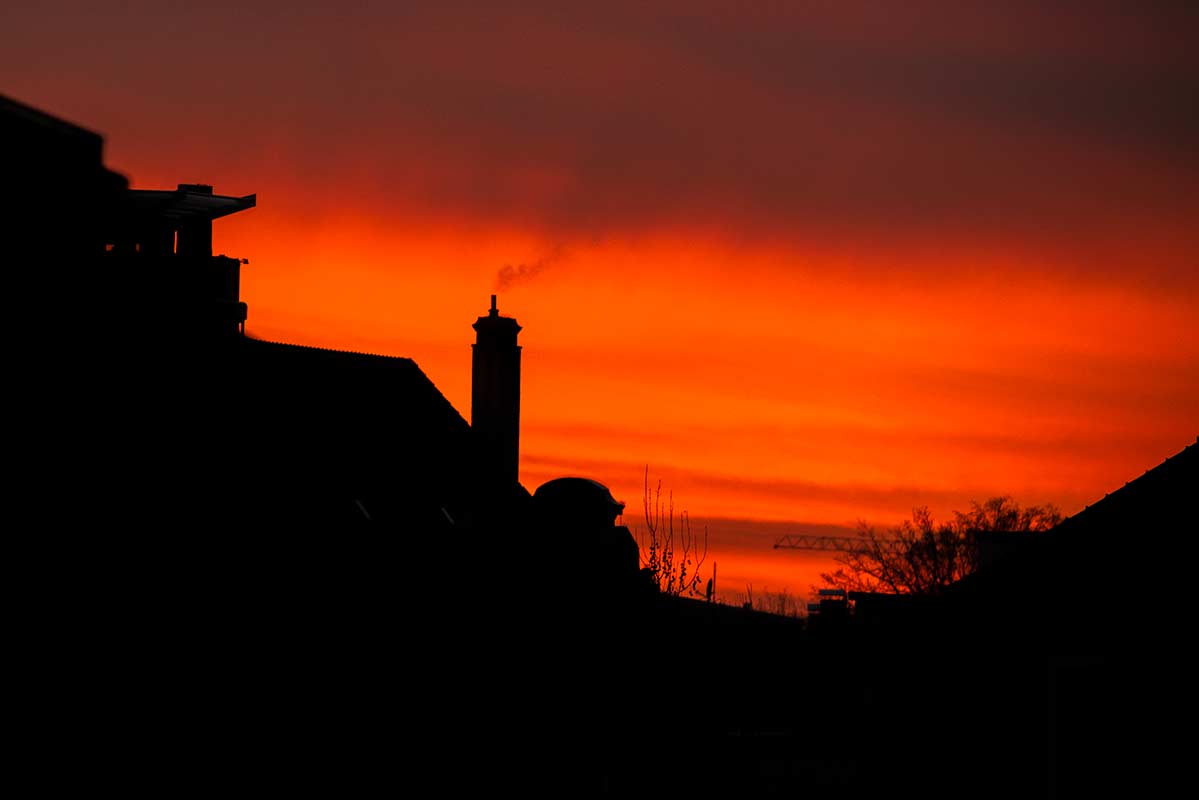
pixel 1146 477
pixel 327 349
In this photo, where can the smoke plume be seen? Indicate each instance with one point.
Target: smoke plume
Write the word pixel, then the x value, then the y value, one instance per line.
pixel 511 275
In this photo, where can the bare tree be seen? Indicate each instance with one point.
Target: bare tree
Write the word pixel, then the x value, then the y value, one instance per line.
pixel 673 556
pixel 1004 515
pixel 922 556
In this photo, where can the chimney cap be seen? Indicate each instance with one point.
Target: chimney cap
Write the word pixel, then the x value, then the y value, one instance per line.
pixel 495 324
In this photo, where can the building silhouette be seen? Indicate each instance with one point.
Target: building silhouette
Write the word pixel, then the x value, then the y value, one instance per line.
pixel 219 430
pixel 208 599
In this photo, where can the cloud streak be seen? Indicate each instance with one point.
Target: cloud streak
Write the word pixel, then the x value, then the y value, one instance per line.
pixel 826 260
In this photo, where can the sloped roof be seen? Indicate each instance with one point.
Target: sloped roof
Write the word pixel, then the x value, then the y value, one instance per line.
pixel 394 371
pixel 1072 581
pixel 372 427
pixel 1142 507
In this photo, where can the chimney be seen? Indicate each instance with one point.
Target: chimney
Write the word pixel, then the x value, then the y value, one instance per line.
pixel 495 397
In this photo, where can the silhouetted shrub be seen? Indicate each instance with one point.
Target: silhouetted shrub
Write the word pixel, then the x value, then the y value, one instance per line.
pixel 672 556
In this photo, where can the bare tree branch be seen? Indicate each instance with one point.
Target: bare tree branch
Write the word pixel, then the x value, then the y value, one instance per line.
pixel 673 559
pixel 921 556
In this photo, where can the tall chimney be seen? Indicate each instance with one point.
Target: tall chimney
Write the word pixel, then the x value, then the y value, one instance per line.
pixel 495 396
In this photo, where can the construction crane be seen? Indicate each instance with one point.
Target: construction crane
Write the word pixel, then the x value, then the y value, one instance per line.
pixel 841 544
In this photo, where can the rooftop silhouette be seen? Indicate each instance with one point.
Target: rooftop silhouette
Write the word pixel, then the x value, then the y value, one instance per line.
pixel 281 558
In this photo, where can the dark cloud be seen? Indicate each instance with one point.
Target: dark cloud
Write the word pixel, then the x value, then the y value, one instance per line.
pixel 1054 125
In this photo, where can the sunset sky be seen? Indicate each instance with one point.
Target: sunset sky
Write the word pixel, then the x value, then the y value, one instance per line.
pixel 811 263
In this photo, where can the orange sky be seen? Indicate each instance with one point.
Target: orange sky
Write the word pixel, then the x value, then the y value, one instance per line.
pixel 809 266
pixel 778 390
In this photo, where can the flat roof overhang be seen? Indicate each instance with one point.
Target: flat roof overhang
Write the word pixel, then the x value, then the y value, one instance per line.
pixel 182 205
